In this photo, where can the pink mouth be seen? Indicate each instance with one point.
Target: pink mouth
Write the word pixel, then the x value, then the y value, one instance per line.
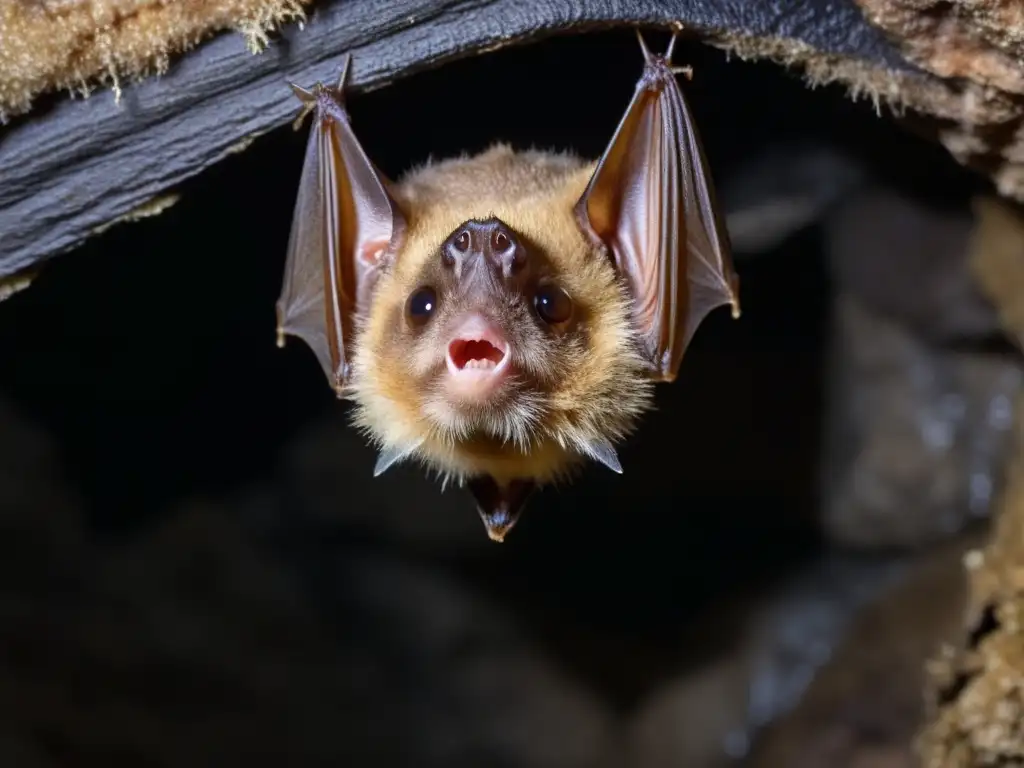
pixel 478 357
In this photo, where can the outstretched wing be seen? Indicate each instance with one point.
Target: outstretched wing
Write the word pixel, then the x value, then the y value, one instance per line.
pixel 343 230
pixel 651 201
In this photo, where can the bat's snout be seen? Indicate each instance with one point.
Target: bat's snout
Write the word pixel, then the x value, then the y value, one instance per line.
pixel 491 243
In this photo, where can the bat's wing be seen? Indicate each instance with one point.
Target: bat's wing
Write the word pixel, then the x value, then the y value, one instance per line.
pixel 651 201
pixel 344 229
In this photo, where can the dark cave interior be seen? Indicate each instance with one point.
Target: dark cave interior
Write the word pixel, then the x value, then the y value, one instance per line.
pixel 149 356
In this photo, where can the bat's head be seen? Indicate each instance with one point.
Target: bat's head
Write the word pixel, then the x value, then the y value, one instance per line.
pixel 499 337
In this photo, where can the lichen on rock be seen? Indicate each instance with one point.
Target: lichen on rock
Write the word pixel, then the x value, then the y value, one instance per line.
pixel 74 45
pixel 977 48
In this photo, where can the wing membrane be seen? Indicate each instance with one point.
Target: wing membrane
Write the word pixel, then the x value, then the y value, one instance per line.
pixel 344 229
pixel 651 201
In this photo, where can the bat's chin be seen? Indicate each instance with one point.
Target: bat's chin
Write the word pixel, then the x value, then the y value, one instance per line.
pixel 478 360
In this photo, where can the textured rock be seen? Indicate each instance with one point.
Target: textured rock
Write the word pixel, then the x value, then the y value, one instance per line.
pixel 716 712
pixel 976 684
pixel 864 707
pixel 907 261
pixel 48 45
pixel 918 427
pixel 978 46
pixel 916 435
pixel 784 190
pixel 978 40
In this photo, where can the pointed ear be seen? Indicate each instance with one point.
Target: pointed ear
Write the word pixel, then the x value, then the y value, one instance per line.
pixel 369 219
pixel 345 230
pixel 651 204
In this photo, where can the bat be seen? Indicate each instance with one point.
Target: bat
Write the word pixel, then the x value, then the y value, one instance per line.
pixel 503 318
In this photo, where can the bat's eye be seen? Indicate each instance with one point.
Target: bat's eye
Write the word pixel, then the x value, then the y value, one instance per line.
pixel 500 241
pixel 552 304
pixel 421 305
pixel 462 241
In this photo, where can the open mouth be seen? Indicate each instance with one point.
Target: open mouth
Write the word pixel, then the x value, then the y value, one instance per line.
pixel 477 356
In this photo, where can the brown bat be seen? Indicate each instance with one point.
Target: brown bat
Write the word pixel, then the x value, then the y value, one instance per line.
pixel 504 317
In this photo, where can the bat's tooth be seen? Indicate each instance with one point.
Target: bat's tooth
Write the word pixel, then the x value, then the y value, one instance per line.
pixel 603 451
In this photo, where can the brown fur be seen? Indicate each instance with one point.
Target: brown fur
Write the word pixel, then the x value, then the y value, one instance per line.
pixel 581 383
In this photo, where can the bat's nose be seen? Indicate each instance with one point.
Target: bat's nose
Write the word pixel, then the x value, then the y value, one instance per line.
pixel 490 242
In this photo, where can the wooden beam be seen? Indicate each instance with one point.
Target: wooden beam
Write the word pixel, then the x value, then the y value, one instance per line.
pixel 81 164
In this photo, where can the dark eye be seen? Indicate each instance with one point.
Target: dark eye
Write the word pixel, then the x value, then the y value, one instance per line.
pixel 421 305
pixel 553 304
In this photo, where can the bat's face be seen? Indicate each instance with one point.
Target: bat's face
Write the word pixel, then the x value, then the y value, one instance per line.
pixel 487 331
pixel 500 336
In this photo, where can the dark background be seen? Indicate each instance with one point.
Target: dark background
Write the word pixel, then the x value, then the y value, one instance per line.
pixel 149 353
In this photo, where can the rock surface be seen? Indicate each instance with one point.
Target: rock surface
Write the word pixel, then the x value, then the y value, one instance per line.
pixel 975 691
pixel 715 714
pixel 863 709
pixel 916 436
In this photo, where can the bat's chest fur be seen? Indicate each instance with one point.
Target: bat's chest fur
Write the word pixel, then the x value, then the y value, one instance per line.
pixel 544 461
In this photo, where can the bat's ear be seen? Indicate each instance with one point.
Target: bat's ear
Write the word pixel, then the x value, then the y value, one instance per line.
pixel 617 189
pixel 619 210
pixel 650 203
pixel 615 209
pixel 370 220
pixel 345 230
